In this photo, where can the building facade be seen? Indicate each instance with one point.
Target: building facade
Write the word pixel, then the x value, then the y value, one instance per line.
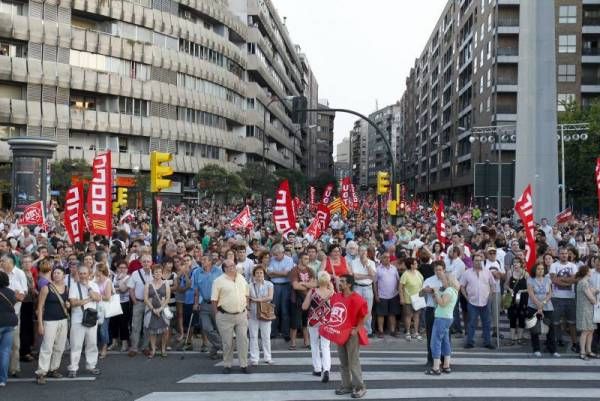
pixel 467 76
pixel 191 77
pixel 388 120
pixel 323 164
pixel 359 154
pixel 309 130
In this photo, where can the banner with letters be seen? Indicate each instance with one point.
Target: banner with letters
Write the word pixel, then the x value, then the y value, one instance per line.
pixel 99 197
pixel 74 220
pixel 327 192
pixel 283 212
pixel 524 208
pixel 33 215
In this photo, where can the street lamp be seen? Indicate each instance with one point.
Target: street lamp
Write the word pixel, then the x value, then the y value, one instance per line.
pixel 580 134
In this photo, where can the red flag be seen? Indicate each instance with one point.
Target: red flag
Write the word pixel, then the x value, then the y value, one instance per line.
pixel 564 216
pixel 159 203
pixel 440 224
pixel 312 196
pixel 243 220
pixel 320 222
pixel 354 196
pixel 33 215
pixel 283 212
pixel 598 184
pixel 100 196
pixel 327 193
pixel 345 193
pixel 524 208
pixel 74 221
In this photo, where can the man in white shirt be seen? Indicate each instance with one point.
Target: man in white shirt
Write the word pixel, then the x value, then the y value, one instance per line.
pixel 364 271
pixel 496 267
pixel 244 265
pixel 429 285
pixel 136 285
pixel 17 281
pixel 83 295
pixel 562 274
pixel 456 267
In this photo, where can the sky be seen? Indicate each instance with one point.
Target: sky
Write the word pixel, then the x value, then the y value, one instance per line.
pixel 360 51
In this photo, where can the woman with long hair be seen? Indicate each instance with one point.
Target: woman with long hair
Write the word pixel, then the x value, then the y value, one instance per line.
pixel 156 298
pixel 586 300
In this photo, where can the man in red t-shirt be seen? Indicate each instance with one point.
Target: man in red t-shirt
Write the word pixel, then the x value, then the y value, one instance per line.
pixel 355 309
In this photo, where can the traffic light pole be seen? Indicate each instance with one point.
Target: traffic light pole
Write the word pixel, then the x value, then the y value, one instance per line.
pixel 379 213
pixel 154 227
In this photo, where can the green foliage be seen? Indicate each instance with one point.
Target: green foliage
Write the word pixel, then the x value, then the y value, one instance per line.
pixel 297 180
pixel 214 180
pixel 258 180
pixel 63 170
pixel 321 181
pixel 5 178
pixel 580 156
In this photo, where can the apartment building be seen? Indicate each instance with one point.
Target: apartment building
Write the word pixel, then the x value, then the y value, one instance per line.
pixel 323 160
pixel 189 77
pixel 388 120
pixel 467 76
pixel 309 130
pixel 341 165
pixel 359 154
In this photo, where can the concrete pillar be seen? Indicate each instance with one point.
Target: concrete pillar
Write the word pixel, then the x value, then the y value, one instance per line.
pixel 537 151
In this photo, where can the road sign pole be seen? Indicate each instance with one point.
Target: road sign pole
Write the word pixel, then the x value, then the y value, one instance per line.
pixel 154 227
pixel 379 213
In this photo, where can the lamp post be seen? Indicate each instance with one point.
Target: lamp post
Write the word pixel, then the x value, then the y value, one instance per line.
pixel 580 134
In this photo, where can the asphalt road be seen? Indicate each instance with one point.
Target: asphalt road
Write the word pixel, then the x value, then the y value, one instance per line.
pixel 393 369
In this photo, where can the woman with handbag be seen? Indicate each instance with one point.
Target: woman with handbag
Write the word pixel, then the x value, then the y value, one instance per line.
pixel 8 322
pixel 515 300
pixel 106 290
pixel 119 325
pixel 411 284
pixel 157 316
pixel 317 304
pixel 261 293
pixel 539 303
pixel 53 325
pixel 586 300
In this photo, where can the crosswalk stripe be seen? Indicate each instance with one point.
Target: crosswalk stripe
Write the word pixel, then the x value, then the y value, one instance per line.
pixel 387 375
pixel 382 394
pixel 366 351
pixel 567 362
pixel 60 379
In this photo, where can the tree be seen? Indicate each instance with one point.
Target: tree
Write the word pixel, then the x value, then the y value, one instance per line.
pixel 580 156
pixel 257 180
pixel 321 181
pixel 64 170
pixel 297 180
pixel 214 180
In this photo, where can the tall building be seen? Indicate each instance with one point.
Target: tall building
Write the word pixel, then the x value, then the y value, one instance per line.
pixel 190 78
pixel 309 130
pixel 324 142
pixel 467 76
pixel 388 120
pixel 359 154
pixel 341 165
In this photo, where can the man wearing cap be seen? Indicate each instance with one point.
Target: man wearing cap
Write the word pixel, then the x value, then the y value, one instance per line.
pixel 496 267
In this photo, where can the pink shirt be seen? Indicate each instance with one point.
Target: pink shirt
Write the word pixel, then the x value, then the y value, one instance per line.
pixel 477 286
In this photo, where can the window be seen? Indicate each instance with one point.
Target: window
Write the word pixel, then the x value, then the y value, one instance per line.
pixel 564 99
pixel 567 43
pixel 566 73
pixel 567 15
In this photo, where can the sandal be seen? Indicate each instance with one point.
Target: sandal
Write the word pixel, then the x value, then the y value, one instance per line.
pixel 433 372
pixel 592 355
pixel 447 370
pixel 163 354
pixel 151 354
pixel 292 348
pixel 584 357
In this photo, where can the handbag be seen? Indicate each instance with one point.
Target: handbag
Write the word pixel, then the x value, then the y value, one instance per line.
pixel 507 300
pixel 166 313
pixel 417 302
pixel 264 310
pixel 113 307
pixel 90 315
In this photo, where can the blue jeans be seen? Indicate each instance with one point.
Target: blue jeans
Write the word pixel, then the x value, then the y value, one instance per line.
pixel 482 312
pixel 440 338
pixel 281 299
pixel 103 338
pixel 6 340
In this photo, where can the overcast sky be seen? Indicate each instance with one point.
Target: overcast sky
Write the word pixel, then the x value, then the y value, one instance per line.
pixel 360 51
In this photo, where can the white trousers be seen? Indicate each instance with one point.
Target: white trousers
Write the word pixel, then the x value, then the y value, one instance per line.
pixel 265 336
pixel 79 335
pixel 53 345
pixel 367 294
pixel 319 350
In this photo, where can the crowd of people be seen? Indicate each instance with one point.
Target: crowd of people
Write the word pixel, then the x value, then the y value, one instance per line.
pixel 223 284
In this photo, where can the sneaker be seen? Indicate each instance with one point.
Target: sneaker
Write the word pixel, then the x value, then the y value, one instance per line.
pixel 124 347
pixel 2 384
pixel 556 355
pixel 359 393
pixel 342 391
pixel 72 374
pixel 270 362
pixel 226 370
pixel 537 354
pixel 204 348
pixel 213 356
pixel 325 377
pixel 54 374
pixel 419 337
pixel 408 338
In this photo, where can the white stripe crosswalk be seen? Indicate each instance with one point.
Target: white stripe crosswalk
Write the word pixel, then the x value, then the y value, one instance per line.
pixel 397 375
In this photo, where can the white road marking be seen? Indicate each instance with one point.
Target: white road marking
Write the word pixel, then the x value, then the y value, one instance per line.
pixel 61 379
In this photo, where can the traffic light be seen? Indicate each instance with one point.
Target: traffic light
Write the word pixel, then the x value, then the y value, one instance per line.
pixel 383 182
pixel 122 196
pixel 158 172
pixel 115 208
pixel 392 207
pixel 299 106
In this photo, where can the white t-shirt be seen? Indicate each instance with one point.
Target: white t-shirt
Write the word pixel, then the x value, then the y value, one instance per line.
pixel 456 267
pixel 563 270
pixel 358 268
pixel 245 269
pixel 435 283
pixel 77 313
pixel 137 283
pixel 17 281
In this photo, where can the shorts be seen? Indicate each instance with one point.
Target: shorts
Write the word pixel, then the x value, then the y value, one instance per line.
pixel 299 317
pixel 563 308
pixel 387 307
pixel 407 309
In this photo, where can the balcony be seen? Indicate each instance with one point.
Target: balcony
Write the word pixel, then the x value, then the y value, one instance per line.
pixel 590 83
pixel 508 24
pixel 590 55
pixel 508 54
pixel 591 21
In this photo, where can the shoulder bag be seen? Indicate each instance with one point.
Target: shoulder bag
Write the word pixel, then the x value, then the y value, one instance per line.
pixel 264 310
pixel 113 306
pixel 4 297
pixel 90 315
pixel 52 288
pixel 166 313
